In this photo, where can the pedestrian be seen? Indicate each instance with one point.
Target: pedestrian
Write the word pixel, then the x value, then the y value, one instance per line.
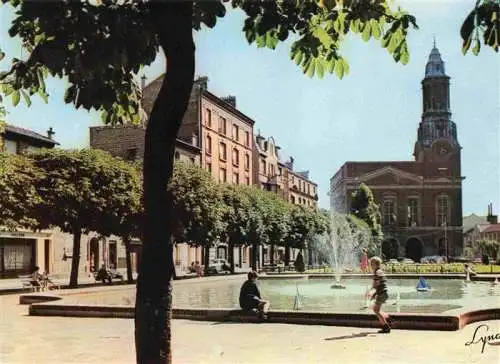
pixel 380 295
pixel 364 262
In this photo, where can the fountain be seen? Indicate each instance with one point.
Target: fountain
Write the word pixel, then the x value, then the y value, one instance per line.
pixel 341 247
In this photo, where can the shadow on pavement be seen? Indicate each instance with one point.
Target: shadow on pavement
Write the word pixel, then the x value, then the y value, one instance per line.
pixel 352 336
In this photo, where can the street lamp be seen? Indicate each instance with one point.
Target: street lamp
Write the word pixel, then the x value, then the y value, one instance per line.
pixel 445 241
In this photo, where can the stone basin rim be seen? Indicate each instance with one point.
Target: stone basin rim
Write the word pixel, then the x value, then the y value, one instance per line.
pixel 51 305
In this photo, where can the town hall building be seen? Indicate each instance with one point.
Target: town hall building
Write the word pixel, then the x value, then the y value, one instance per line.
pixel 420 201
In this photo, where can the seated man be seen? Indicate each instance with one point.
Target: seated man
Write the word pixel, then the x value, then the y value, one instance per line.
pixel 250 298
pixel 103 275
pixel 36 277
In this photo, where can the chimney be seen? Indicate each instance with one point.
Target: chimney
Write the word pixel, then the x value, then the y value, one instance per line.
pixel 492 219
pixel 231 100
pixel 194 140
pixel 143 82
pixel 202 82
pixel 50 133
pixel 289 164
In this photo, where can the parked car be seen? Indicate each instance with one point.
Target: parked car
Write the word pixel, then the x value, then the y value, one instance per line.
pixel 433 259
pixel 392 261
pixel 408 261
pixel 220 265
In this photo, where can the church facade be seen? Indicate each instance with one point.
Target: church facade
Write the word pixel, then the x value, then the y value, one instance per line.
pixel 421 200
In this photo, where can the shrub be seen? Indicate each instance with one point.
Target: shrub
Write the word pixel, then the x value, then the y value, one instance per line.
pixel 485 259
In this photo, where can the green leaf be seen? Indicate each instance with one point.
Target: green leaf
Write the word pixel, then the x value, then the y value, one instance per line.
pixel 320 69
pixel 405 56
pixel 339 68
pixel 2 55
pixel 331 65
pixel 375 29
pixel 16 97
pixel 40 75
pixel 26 98
pixel 367 31
pixel 466 44
pixel 298 57
pixel 311 68
pixel 477 47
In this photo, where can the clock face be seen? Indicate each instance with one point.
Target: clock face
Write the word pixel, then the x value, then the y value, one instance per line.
pixel 441 148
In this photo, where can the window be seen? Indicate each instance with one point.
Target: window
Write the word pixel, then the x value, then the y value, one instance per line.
pixel 292 199
pixel 209 144
pixel 209 167
pixel 208 117
pixel 263 166
pixel 247 181
pixel 236 157
pixel 222 175
pixel 177 156
pixel 442 210
pixel 308 189
pixel 222 125
pixel 247 161
pixel 192 160
pixel 271 170
pixel 235 132
pixel 236 178
pixel 247 139
pixel 222 151
pixel 412 211
pixel 388 212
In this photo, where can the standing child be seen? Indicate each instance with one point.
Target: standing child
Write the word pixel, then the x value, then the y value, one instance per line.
pixel 380 295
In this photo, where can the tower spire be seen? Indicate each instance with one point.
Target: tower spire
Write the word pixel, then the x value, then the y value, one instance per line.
pixel 434 39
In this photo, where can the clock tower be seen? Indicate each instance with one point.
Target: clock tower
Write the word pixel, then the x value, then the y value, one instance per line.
pixel 437 133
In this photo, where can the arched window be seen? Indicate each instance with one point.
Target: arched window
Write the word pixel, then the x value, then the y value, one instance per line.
pixel 442 210
pixel 177 156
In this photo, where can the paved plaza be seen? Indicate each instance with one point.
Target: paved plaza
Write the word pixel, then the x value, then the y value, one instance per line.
pixel 29 339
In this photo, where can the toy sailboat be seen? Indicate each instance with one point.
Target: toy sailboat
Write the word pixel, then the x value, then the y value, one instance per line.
pixel 422 285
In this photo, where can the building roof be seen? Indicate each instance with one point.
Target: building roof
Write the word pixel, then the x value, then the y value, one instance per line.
pixel 435 64
pixel 151 90
pixel 470 221
pixel 16 130
pixel 492 228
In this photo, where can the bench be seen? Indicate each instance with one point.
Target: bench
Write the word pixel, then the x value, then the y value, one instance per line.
pixel 111 274
pixel 27 282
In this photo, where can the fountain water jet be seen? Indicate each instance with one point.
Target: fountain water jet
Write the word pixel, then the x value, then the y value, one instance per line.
pixel 341 246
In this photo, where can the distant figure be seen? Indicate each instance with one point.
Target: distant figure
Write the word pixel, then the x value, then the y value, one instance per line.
pixel 468 272
pixel 364 262
pixel 380 295
pixel 103 275
pixel 36 277
pixel 422 285
pixel 198 269
pixel 250 298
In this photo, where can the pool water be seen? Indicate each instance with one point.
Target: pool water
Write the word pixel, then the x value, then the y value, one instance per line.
pixel 316 295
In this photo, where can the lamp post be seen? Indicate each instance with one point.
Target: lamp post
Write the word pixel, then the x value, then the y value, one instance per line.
pixel 445 241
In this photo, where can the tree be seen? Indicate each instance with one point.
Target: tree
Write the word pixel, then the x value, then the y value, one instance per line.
pixel 299 263
pixel 276 215
pixel 99 45
pixel 197 206
pixel 18 195
pixel 82 191
pixel 363 207
pixel 489 248
pixel 238 218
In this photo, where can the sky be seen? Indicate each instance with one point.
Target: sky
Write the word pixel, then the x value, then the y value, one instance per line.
pixel 372 114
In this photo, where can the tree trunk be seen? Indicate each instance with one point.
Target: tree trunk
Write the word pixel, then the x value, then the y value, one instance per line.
pixel 75 262
pixel 254 256
pixel 271 256
pixel 309 255
pixel 230 255
pixel 287 256
pixel 130 278
pixel 206 259
pixel 153 309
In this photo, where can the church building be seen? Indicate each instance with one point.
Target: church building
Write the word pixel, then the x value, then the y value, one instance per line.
pixel 421 200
